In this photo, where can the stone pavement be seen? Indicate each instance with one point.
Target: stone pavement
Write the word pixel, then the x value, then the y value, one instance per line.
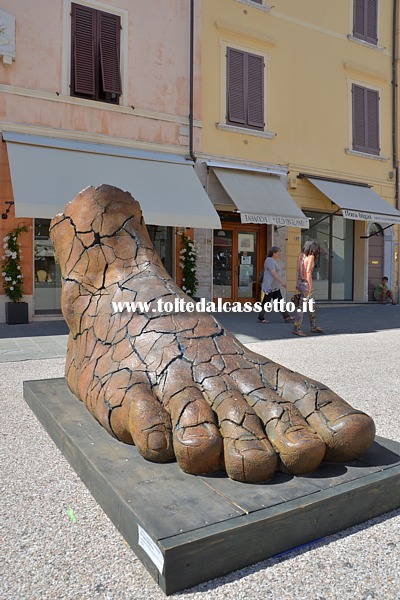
pixel 48 339
pixel 37 340
pixel 58 543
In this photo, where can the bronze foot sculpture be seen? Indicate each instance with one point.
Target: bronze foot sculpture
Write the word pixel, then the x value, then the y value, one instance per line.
pixel 180 386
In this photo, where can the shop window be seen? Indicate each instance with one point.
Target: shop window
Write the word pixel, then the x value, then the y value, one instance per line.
pixel 245 89
pixel 365 20
pixel 333 274
pixel 162 239
pixel 365 120
pixel 95 59
pixel 47 272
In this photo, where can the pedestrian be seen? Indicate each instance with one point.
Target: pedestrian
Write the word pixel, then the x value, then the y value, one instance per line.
pixel 305 265
pixel 382 291
pixel 271 282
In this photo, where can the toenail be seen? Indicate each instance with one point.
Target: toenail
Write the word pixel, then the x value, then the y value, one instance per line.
pixel 157 441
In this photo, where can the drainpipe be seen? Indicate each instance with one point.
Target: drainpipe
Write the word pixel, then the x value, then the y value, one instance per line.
pixel 191 82
pixel 395 123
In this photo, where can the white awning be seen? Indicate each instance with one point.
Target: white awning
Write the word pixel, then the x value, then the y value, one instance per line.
pixel 47 173
pixel 261 198
pixel 357 202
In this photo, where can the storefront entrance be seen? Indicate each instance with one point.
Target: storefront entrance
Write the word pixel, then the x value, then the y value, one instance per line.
pixel 333 277
pixel 238 256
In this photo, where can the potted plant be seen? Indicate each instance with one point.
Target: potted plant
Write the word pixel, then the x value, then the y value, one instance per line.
pixel 16 311
pixel 188 258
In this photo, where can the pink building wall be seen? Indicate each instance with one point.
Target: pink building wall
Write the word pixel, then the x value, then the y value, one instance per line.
pixel 155 71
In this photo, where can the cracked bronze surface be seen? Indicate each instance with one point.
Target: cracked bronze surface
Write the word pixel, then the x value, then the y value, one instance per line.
pixel 179 386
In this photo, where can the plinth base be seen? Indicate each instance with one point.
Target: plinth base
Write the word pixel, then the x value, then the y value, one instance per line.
pixel 188 529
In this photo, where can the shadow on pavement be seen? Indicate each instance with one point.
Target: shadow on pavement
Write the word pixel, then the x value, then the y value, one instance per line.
pixel 363 318
pixel 35 329
pixel 334 320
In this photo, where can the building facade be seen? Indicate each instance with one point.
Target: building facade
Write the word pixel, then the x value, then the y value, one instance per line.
pixel 97 92
pixel 298 142
pixel 252 124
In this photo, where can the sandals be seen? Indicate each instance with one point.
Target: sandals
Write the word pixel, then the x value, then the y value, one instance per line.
pixel 299 332
pixel 317 330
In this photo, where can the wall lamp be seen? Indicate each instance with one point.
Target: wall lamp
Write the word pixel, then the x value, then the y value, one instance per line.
pixel 10 204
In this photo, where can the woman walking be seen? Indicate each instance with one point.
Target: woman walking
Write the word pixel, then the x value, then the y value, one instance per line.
pixel 304 285
pixel 272 280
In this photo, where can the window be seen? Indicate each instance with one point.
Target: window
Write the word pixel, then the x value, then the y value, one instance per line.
pixel 333 275
pixel 365 119
pixel 365 20
pixel 257 1
pixel 162 238
pixel 245 89
pixel 95 57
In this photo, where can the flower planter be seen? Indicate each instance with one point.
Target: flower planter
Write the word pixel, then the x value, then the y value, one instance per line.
pixel 17 313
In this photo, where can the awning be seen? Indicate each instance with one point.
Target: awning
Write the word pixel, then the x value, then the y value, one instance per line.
pixel 261 198
pixel 47 173
pixel 357 202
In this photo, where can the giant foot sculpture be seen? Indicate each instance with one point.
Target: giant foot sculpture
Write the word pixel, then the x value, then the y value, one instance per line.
pixel 180 386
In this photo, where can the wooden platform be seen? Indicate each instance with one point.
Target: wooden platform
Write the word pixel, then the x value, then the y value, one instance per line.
pixel 189 529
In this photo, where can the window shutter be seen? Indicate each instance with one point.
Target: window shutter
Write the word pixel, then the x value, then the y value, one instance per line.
pixel 371 21
pixel 110 52
pixel 372 128
pixel 358 18
pixel 255 91
pixel 359 138
pixel 236 112
pixel 365 20
pixel 365 120
pixel 83 33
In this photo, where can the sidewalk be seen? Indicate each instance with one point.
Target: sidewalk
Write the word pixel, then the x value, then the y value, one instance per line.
pixel 37 340
pixel 48 339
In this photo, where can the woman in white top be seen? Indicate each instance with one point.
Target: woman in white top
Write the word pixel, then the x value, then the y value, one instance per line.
pixel 272 281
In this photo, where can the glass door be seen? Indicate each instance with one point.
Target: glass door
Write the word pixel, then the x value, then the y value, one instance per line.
pixel 222 263
pixel 247 265
pixel 238 256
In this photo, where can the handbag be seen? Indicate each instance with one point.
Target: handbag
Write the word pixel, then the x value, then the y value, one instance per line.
pixel 296 300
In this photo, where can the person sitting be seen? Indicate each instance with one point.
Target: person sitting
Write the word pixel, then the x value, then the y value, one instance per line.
pixel 382 292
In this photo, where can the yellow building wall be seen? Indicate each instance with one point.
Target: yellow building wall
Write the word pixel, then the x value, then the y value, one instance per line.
pixel 311 63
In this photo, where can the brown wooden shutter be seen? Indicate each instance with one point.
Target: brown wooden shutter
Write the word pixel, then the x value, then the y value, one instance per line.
pixel 83 42
pixel 365 120
pixel 359 137
pixel 365 20
pixel 371 21
pixel 255 91
pixel 358 17
pixel 236 111
pixel 372 125
pixel 110 26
